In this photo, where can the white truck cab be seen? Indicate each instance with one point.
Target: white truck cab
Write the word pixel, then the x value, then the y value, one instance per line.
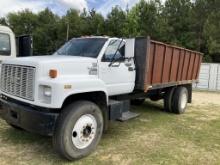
pixel 7 43
pixel 79 70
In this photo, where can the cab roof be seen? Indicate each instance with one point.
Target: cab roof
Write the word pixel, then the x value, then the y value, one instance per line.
pixel 5 29
pixel 95 37
pixel 105 37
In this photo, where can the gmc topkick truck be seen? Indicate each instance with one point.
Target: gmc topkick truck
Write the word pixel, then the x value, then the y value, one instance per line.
pixel 74 93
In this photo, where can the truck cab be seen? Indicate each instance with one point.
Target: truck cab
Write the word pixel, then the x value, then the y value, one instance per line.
pixel 7 43
pixel 83 65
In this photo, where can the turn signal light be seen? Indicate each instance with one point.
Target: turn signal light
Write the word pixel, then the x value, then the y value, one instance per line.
pixel 53 73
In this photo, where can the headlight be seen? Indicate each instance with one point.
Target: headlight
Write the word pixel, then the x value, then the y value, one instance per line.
pixel 45 94
pixel 47 91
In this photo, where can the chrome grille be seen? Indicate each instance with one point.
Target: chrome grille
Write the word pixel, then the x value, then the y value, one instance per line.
pixel 18 80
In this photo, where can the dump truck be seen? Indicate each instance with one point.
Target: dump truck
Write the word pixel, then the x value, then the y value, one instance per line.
pixel 74 93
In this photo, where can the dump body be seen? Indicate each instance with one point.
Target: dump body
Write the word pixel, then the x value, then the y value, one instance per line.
pixel 162 65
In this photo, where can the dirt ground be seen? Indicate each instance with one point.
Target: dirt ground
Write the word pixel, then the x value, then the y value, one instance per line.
pixel 200 98
pixel 155 137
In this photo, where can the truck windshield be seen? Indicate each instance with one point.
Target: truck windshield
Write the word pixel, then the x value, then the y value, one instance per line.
pixel 84 47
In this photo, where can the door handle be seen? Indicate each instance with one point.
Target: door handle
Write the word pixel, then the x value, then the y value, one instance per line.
pixel 128 64
pixel 131 69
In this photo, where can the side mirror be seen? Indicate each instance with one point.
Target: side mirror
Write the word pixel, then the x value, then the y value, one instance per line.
pixel 122 51
pixel 24 46
pixel 129 48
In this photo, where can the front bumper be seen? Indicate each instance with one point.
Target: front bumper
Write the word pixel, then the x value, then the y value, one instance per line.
pixel 28 117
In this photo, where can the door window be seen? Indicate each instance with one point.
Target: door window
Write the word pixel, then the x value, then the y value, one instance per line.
pixel 5 47
pixel 116 50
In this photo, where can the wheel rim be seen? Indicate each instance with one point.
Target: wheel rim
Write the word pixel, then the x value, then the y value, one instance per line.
pixel 183 100
pixel 84 131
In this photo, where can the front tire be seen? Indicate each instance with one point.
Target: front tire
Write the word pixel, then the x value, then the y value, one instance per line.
pixel 78 130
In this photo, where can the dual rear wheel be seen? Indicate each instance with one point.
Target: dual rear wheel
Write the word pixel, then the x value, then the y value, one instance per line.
pixel 176 99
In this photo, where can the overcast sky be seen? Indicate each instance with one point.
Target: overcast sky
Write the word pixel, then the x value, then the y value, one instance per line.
pixel 61 6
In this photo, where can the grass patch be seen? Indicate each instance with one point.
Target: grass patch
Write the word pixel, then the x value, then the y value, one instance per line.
pixel 155 137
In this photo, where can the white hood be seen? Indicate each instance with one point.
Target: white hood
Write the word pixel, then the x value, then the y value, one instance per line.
pixel 66 65
pixel 50 59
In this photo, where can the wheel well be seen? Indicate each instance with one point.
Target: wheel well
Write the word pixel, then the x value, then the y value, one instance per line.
pixel 98 98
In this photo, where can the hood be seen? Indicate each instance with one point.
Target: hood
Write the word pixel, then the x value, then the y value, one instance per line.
pixel 66 65
pixel 49 59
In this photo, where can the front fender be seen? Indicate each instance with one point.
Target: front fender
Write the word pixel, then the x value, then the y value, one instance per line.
pixel 64 87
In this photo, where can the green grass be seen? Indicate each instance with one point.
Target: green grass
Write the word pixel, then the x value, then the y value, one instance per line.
pixel 155 137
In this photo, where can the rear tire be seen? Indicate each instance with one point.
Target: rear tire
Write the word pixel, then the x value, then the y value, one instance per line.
pixel 168 100
pixel 137 101
pixel 180 100
pixel 78 130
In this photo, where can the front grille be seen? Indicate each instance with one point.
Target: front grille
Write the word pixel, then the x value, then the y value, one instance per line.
pixel 18 80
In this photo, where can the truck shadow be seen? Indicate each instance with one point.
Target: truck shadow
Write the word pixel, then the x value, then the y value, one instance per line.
pixel 150 106
pixel 151 115
pixel 30 144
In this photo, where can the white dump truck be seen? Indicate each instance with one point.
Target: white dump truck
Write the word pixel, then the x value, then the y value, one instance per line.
pixel 72 94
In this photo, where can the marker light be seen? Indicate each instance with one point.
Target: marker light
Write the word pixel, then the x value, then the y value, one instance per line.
pixel 53 73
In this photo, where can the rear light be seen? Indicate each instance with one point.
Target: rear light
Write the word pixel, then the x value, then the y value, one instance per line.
pixel 53 73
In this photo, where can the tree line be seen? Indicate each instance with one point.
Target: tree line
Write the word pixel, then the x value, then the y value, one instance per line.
pixel 191 24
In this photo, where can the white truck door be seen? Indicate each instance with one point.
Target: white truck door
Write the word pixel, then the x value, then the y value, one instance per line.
pixel 119 75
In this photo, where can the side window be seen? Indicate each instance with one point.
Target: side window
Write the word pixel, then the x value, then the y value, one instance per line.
pixel 5 46
pixel 114 45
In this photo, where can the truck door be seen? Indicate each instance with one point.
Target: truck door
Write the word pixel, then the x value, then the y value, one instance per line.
pixel 117 72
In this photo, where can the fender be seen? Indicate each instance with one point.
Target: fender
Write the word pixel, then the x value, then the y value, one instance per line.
pixel 65 86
